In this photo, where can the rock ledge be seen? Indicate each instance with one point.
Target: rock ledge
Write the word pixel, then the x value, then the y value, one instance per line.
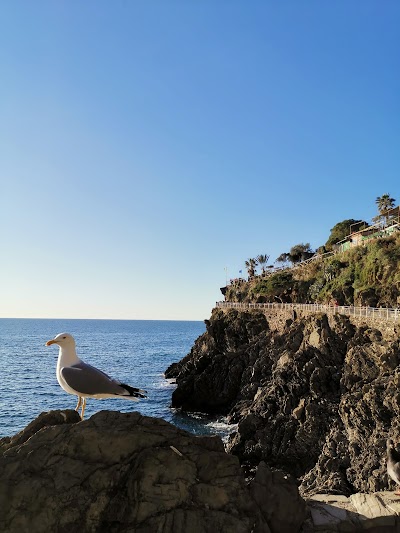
pixel 124 472
pixel 374 512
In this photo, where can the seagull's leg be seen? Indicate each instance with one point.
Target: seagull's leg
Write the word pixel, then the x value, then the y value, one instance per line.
pixel 79 403
pixel 83 408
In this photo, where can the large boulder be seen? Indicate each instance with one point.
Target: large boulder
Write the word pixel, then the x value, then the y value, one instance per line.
pixel 124 472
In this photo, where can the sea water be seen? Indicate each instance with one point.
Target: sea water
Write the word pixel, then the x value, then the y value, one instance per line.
pixel 136 352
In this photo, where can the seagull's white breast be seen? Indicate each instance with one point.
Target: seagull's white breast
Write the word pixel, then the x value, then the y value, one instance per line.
pixel 66 358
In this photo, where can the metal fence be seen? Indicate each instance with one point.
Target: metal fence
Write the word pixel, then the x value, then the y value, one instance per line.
pixel 383 313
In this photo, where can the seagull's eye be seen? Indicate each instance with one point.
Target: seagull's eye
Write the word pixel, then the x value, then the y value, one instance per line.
pixel 64 337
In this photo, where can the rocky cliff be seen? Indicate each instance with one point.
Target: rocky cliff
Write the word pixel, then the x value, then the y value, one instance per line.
pixel 130 473
pixel 316 397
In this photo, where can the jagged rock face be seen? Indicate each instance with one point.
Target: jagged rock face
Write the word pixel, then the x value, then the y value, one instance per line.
pixel 210 377
pixel 129 473
pixel 317 399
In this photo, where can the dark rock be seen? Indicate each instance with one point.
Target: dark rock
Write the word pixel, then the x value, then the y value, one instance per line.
pixel 50 418
pixel 128 473
pixel 277 494
pixel 317 398
pixel 367 298
pixel 209 378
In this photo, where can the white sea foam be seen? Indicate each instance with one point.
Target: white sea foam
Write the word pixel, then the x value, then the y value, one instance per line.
pixel 166 383
pixel 222 428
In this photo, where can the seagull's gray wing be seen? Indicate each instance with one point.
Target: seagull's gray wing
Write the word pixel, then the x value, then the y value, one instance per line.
pixel 86 379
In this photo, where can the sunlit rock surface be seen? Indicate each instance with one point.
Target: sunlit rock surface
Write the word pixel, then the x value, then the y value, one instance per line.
pixel 120 472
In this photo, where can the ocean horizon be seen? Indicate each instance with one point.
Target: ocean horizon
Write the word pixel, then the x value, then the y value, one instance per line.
pixel 136 352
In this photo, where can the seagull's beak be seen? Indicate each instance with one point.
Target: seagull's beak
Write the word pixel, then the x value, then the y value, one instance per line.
pixel 49 343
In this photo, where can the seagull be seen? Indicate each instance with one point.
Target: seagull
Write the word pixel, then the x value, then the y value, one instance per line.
pixel 86 381
pixel 393 463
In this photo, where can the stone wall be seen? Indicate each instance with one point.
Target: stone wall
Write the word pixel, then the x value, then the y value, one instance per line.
pixel 278 320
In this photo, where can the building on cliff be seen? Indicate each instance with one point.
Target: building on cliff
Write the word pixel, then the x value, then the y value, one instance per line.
pixel 376 231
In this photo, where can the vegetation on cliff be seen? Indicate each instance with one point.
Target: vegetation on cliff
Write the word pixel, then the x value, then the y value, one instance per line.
pixel 367 275
pixel 312 394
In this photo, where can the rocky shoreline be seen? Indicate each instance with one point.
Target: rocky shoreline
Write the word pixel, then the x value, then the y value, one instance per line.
pixel 124 472
pixel 315 396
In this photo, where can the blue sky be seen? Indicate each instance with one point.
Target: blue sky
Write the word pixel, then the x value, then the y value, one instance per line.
pixel 146 146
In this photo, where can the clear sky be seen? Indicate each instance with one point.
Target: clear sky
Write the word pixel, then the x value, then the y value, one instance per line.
pixel 145 146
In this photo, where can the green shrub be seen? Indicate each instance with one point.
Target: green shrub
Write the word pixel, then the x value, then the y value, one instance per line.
pixel 373 269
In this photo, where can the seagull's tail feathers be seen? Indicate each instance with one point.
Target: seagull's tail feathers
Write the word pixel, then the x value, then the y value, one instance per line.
pixel 134 393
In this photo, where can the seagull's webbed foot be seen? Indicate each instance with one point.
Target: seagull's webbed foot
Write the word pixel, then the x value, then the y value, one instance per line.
pixel 83 407
pixel 79 403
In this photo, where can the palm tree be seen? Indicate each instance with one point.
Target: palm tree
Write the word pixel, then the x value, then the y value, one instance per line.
pixel 384 203
pixel 263 260
pixel 251 266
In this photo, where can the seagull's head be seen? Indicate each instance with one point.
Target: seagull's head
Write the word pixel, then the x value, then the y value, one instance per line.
pixel 62 339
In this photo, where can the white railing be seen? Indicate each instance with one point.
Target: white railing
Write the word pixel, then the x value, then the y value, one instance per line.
pixel 383 313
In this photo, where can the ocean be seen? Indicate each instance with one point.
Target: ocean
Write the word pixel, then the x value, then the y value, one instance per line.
pixel 136 352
